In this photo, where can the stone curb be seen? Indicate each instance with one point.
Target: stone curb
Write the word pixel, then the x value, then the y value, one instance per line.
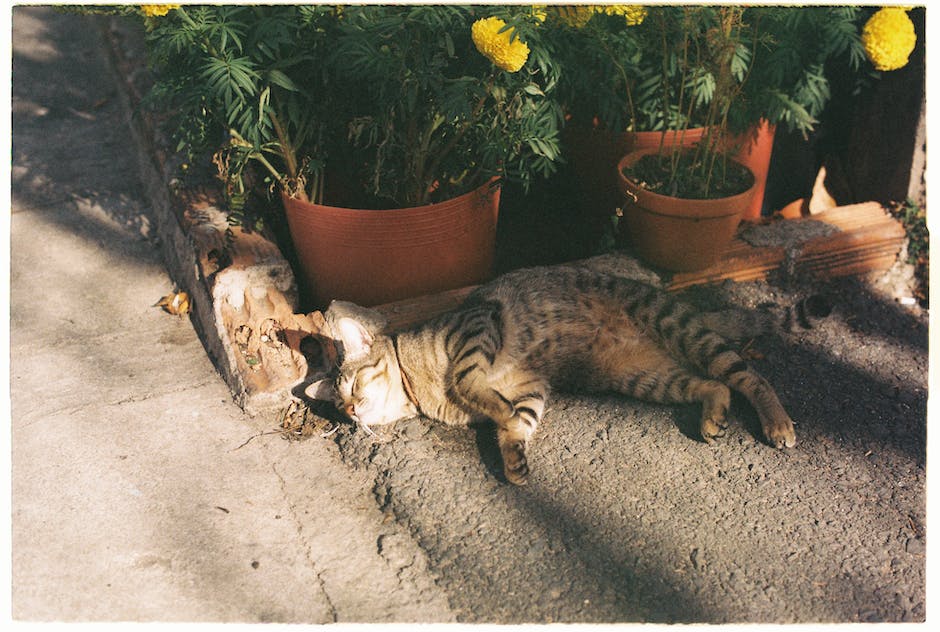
pixel 243 294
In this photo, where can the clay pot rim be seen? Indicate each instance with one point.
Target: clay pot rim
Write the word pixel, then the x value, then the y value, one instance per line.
pixel 392 229
pixel 372 258
pixel 687 208
pixel 483 189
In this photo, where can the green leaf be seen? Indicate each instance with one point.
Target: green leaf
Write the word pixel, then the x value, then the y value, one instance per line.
pixel 280 79
pixel 263 102
pixel 740 62
pixel 533 89
pixel 449 44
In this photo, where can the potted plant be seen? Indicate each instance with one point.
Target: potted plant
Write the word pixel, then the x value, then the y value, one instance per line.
pixel 389 113
pixel 810 65
pixel 441 103
pixel 684 203
pixel 783 52
pixel 623 88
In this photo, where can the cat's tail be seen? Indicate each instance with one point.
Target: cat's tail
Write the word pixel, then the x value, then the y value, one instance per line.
pixel 807 313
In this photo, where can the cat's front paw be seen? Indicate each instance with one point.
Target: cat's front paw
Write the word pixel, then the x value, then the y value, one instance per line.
pixel 781 434
pixel 515 463
pixel 712 428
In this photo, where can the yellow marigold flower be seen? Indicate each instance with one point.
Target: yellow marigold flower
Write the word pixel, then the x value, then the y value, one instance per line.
pixel 574 15
pixel 634 13
pixel 889 38
pixel 157 10
pixel 496 46
pixel 538 12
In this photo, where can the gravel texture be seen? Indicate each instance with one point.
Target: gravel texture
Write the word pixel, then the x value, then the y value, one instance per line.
pixel 786 233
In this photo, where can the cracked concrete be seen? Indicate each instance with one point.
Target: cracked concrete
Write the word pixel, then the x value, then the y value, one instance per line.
pixel 135 494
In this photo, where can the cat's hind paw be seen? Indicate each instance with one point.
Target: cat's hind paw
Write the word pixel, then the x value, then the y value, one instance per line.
pixel 515 463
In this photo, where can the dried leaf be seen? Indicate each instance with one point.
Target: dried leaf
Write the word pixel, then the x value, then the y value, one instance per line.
pixel 176 303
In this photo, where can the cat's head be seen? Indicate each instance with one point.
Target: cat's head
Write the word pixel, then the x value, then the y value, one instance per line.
pixel 368 386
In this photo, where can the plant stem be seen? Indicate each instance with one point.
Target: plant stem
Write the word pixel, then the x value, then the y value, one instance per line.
pixel 626 83
pixel 455 139
pixel 725 90
pixel 267 165
pixel 679 142
pixel 665 82
pixel 422 153
pixel 255 155
pixel 288 154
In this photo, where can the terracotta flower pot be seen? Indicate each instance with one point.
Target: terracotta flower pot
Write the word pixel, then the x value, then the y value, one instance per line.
pixel 372 257
pixel 652 140
pixel 593 152
pixel 678 234
pixel 754 151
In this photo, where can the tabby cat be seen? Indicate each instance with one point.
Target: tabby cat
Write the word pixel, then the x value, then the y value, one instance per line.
pixel 516 338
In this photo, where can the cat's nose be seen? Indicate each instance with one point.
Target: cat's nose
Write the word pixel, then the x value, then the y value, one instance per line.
pixel 351 410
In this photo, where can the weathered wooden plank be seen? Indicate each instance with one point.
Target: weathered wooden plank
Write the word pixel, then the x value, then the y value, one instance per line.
pixel 401 314
pixel 742 262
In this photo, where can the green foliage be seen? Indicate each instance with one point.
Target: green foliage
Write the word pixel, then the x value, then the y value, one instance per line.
pixel 633 77
pixel 430 117
pixel 914 219
pixel 720 67
pixel 394 98
pixel 239 78
pixel 701 63
pixel 398 100
pixel 602 74
pixel 651 76
pixel 796 49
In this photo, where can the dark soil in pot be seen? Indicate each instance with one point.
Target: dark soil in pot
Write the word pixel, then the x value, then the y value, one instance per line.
pixel 654 172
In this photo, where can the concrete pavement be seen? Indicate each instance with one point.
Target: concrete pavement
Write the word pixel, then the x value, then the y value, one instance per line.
pixel 132 499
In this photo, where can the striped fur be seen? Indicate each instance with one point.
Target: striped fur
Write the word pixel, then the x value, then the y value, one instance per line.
pixel 499 355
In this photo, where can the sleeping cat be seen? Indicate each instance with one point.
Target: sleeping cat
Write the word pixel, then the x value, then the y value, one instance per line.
pixel 515 339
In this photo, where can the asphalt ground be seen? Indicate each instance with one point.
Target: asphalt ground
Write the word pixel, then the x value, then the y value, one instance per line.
pixel 629 516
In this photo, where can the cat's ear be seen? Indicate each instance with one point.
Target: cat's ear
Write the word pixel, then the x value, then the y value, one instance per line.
pixel 357 340
pixel 324 389
pixel 354 326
